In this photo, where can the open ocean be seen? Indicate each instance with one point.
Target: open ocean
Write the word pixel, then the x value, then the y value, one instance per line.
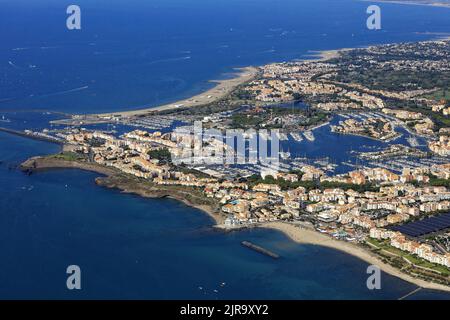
pixel 140 53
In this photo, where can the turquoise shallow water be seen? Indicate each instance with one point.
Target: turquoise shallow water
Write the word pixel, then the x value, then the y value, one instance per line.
pixel 137 53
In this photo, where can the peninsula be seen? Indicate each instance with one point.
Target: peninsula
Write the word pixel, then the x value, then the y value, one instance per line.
pixel 370 212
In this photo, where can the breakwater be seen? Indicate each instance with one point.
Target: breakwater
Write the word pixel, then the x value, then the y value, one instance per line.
pixel 260 249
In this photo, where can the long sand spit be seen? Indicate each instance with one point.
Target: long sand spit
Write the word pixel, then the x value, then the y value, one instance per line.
pixel 219 91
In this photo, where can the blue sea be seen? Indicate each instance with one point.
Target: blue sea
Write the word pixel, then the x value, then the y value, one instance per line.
pixel 137 53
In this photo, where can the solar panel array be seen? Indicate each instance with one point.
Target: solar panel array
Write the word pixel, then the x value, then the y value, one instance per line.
pixel 425 226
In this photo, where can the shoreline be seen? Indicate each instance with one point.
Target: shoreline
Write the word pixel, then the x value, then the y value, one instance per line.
pixel 226 86
pixel 222 87
pixel 311 237
pixel 305 236
pixel 219 91
pixel 323 55
pixel 114 179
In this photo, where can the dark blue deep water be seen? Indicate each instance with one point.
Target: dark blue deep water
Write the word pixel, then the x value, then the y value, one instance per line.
pixel 130 247
pixel 136 53
pixel 142 53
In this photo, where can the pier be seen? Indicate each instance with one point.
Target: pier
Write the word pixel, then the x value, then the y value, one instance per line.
pixel 410 294
pixel 32 135
pixel 260 249
pixel 309 136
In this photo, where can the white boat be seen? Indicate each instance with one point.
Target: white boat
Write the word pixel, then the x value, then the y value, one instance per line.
pixel 285 155
pixel 309 135
pixel 413 141
pixel 282 136
pixel 3 119
pixel 297 136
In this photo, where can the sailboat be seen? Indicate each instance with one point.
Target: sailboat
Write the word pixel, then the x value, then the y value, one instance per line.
pixel 3 119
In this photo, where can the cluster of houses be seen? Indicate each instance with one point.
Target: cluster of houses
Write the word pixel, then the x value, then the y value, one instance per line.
pixel 282 82
pixel 397 200
pixel 442 146
pixel 377 128
pixel 422 250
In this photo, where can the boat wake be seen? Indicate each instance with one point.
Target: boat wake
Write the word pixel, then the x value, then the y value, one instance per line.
pixel 12 64
pixel 64 92
pixel 168 60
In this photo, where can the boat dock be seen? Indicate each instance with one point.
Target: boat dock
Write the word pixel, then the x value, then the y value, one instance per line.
pixel 309 136
pixel 297 136
pixel 32 135
pixel 260 249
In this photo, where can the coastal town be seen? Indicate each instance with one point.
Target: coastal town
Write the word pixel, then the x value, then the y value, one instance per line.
pixel 373 206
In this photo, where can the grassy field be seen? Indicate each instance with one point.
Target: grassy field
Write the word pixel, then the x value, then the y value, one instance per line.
pixel 439 95
pixel 384 245
pixel 68 156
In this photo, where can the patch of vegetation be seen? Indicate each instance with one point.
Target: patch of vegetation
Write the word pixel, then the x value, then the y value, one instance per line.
pixel 309 185
pixel 356 66
pixel 246 120
pixel 163 155
pixel 347 186
pixel 436 182
pixel 438 118
pixel 439 95
pixel 68 156
pixel 182 168
pixel 384 245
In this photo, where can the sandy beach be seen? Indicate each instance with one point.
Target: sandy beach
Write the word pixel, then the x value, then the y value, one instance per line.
pixel 220 90
pixel 305 236
pixel 325 55
pixel 114 180
pixel 300 235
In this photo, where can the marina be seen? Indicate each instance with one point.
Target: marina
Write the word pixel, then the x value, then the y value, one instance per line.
pixel 309 136
pixel 152 220
pixel 297 136
pixel 33 135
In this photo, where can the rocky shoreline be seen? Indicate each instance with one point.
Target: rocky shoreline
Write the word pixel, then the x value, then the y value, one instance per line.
pixel 114 179
pixel 36 164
